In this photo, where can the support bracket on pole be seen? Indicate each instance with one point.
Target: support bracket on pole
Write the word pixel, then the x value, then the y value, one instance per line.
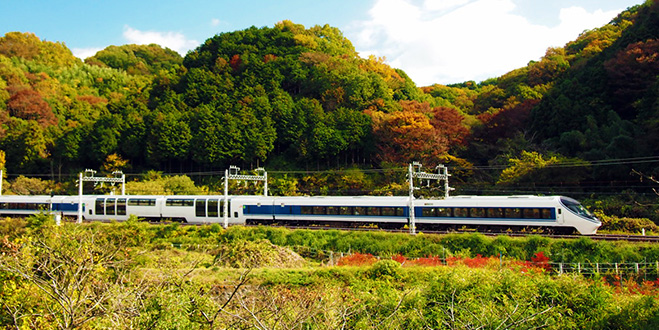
pixel 414 172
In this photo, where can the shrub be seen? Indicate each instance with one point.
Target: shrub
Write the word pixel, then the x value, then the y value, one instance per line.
pixel 385 270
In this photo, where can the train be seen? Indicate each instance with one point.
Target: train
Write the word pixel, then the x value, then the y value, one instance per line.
pixel 553 214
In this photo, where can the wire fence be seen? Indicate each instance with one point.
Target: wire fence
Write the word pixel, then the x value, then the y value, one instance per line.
pixel 647 270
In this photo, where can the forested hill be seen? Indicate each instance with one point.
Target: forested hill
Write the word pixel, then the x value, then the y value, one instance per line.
pixel 290 97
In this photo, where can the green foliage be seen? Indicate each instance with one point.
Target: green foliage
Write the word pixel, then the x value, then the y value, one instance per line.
pixel 532 166
pixel 32 186
pixel 170 185
pixel 137 59
pixel 385 270
pixel 625 224
pixel 125 275
pixel 255 254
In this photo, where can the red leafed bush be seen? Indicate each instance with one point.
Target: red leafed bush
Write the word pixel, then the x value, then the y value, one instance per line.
pixel 429 261
pixel 540 260
pixel 357 259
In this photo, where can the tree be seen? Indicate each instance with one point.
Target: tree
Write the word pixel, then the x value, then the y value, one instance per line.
pixel 418 132
pixel 26 103
pixel 76 270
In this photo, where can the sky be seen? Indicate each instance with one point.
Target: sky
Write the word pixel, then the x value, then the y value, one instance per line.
pixel 433 41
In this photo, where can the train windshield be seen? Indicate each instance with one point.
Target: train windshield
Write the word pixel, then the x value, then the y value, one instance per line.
pixel 576 207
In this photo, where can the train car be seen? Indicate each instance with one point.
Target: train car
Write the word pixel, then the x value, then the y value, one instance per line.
pixel 554 213
pixel 384 211
pixel 22 206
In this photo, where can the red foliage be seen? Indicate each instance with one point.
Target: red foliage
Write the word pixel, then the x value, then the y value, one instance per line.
pixel 505 123
pixel 429 261
pixel 26 103
pixel 269 57
pixel 541 261
pixel 633 70
pixel 236 62
pixel 418 132
pixel 91 99
pixel 357 259
pixel 631 286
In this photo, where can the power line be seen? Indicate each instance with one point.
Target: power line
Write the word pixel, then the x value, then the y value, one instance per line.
pixel 575 163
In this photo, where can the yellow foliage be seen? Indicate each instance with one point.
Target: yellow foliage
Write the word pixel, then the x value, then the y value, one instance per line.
pixel 527 163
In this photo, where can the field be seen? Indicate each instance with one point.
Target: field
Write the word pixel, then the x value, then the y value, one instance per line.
pixel 137 276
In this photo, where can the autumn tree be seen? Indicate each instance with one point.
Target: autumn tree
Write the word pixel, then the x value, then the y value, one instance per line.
pixel 28 104
pixel 418 132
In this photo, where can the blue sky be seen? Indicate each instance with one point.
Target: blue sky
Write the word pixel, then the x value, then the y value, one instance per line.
pixel 433 41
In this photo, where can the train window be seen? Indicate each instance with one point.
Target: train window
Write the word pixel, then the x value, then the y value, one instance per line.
pixel 513 213
pixel 212 208
pixel 100 206
pixel 429 212
pixel 306 210
pixel 110 205
pixel 332 210
pixel 222 207
pixel 141 202
pixel 461 212
pixel 532 213
pixel 345 210
pixel 319 210
pixel 121 206
pixel 388 211
pixel 3 205
pixel 179 202
pixel 360 210
pixel 400 211
pixel 444 212
pixel 495 212
pixel 545 213
pixel 200 208
pixel 477 212
pixel 374 211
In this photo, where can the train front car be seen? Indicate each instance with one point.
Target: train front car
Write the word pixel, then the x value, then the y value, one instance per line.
pixel 577 216
pixel 555 214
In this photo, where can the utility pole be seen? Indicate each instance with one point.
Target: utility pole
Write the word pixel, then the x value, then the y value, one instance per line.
pixel 119 177
pixel 414 171
pixel 232 174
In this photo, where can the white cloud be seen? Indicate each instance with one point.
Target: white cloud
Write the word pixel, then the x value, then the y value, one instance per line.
pixel 452 41
pixel 172 40
pixel 215 22
pixel 83 53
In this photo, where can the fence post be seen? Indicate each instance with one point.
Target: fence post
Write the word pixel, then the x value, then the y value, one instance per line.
pixel 616 268
pixel 560 268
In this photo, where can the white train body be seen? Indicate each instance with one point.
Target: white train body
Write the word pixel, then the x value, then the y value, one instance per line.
pixel 553 212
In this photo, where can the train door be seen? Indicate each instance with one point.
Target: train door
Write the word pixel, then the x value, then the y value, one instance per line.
pixel 559 216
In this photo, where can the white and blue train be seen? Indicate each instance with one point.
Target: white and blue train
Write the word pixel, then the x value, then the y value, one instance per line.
pixel 552 213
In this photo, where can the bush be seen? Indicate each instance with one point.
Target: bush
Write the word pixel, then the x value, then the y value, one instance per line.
pixel 385 270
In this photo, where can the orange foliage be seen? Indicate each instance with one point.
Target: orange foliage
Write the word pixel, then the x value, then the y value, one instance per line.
pixel 28 104
pixel 91 99
pixel 539 262
pixel 357 259
pixel 236 62
pixel 418 132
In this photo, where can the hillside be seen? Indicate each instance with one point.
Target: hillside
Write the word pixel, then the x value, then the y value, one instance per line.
pixel 291 98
